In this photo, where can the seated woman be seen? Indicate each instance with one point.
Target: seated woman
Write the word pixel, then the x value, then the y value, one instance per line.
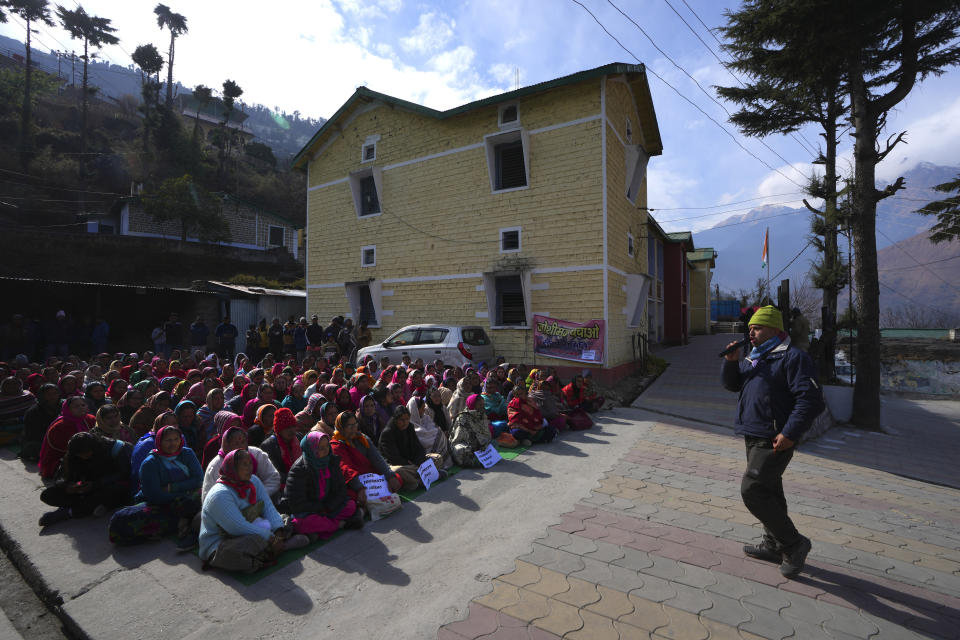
pixel 129 402
pixel 239 402
pixel 431 437
pixel 145 444
pixel 169 496
pixel 344 402
pixel 95 394
pixel 265 395
pixel 415 384
pixel 359 387
pixel 316 494
pixel 110 426
pixel 213 404
pixel 542 393
pixel 222 421
pixel 525 421
pixel 458 400
pixel 369 420
pixel 14 404
pixel 116 389
pixel 294 399
pixel 235 438
pixel 328 419
pixel 592 401
pixel 73 419
pixel 95 478
pixel 402 450
pixel 262 425
pixel 283 446
pixel 239 530
pixel 438 410
pixel 69 387
pixel 37 419
pixel 359 456
pixel 186 412
pixel 470 433
pixel 495 405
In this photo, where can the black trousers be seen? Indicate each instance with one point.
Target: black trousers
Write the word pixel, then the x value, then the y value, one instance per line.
pixel 762 491
pixel 83 504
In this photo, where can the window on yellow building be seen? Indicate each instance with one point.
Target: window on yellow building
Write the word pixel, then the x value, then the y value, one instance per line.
pixel 630 249
pixel 509 115
pixel 366 187
pixel 511 310
pixel 508 160
pixel 275 236
pixel 510 240
pixel 368 256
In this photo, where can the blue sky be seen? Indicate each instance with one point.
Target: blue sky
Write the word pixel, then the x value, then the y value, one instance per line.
pixel 310 56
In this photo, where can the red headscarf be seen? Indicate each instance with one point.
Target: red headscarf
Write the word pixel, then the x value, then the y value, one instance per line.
pixel 290 451
pixel 228 476
pixel 117 390
pixel 159 439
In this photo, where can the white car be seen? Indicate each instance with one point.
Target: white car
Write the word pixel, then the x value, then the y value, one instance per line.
pixel 455 345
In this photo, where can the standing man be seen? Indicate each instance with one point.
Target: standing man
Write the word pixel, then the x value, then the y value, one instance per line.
pixel 227 333
pixel 314 334
pixel 199 332
pixel 174 330
pixel 779 400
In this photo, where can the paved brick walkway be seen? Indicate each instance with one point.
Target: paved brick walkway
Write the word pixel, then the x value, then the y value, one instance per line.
pixel 655 551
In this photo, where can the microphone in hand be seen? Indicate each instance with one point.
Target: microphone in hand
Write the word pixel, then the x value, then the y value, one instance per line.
pixel 734 347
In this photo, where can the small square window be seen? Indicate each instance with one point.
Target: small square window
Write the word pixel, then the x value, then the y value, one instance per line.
pixel 275 236
pixel 509 115
pixel 369 152
pixel 510 240
pixel 630 245
pixel 368 256
pixel 629 131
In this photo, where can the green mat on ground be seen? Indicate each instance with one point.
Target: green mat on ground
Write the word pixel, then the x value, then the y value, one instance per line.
pixel 288 557
pixel 285 558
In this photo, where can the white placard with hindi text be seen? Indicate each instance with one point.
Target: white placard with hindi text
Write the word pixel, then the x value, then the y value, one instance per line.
pixel 489 456
pixel 428 473
pixel 376 485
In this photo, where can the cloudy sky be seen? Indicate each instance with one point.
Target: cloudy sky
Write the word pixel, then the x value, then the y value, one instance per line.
pixel 309 56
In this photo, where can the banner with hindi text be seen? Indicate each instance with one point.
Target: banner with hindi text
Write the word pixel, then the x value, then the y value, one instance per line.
pixel 582 342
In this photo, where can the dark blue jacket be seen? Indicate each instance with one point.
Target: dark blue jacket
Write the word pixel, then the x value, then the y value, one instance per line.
pixel 778 395
pixel 154 476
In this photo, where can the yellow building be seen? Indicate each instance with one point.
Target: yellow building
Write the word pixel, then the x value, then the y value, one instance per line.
pixel 702 262
pixel 532 202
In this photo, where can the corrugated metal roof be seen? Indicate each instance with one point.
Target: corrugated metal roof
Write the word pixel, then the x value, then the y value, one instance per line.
pixel 261 291
pixel 706 253
pixel 97 284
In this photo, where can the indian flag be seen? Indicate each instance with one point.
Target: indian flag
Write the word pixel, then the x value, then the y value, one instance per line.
pixel 766 241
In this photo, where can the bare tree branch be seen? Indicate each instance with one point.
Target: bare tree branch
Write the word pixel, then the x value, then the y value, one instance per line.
pixel 816 211
pixel 889 146
pixel 891 189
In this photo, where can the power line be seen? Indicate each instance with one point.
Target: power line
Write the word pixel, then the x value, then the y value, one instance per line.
pixel 704 91
pixel 919 304
pixel 727 204
pixel 805 147
pixel 919 264
pixel 720 213
pixel 692 103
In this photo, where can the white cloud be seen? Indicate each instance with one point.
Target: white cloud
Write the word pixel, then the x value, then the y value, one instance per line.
pixel 455 61
pixel 934 138
pixel 432 33
pixel 370 9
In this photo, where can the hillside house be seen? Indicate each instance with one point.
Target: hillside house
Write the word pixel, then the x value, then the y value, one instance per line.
pixel 249 227
pixel 531 202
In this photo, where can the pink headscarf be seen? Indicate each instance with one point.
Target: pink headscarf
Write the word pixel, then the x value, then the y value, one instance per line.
pixel 474 402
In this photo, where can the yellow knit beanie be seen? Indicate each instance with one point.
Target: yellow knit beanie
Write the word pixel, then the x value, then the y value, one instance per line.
pixel 768 316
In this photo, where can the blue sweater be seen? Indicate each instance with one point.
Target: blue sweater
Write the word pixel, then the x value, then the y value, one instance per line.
pixel 141 450
pixel 778 395
pixel 223 513
pixel 155 475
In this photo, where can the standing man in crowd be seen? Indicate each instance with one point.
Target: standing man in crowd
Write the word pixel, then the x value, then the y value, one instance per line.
pixel 199 332
pixel 315 333
pixel 174 330
pixel 226 334
pixel 779 400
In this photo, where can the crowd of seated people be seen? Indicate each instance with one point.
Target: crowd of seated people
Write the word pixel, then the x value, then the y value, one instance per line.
pixel 244 459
